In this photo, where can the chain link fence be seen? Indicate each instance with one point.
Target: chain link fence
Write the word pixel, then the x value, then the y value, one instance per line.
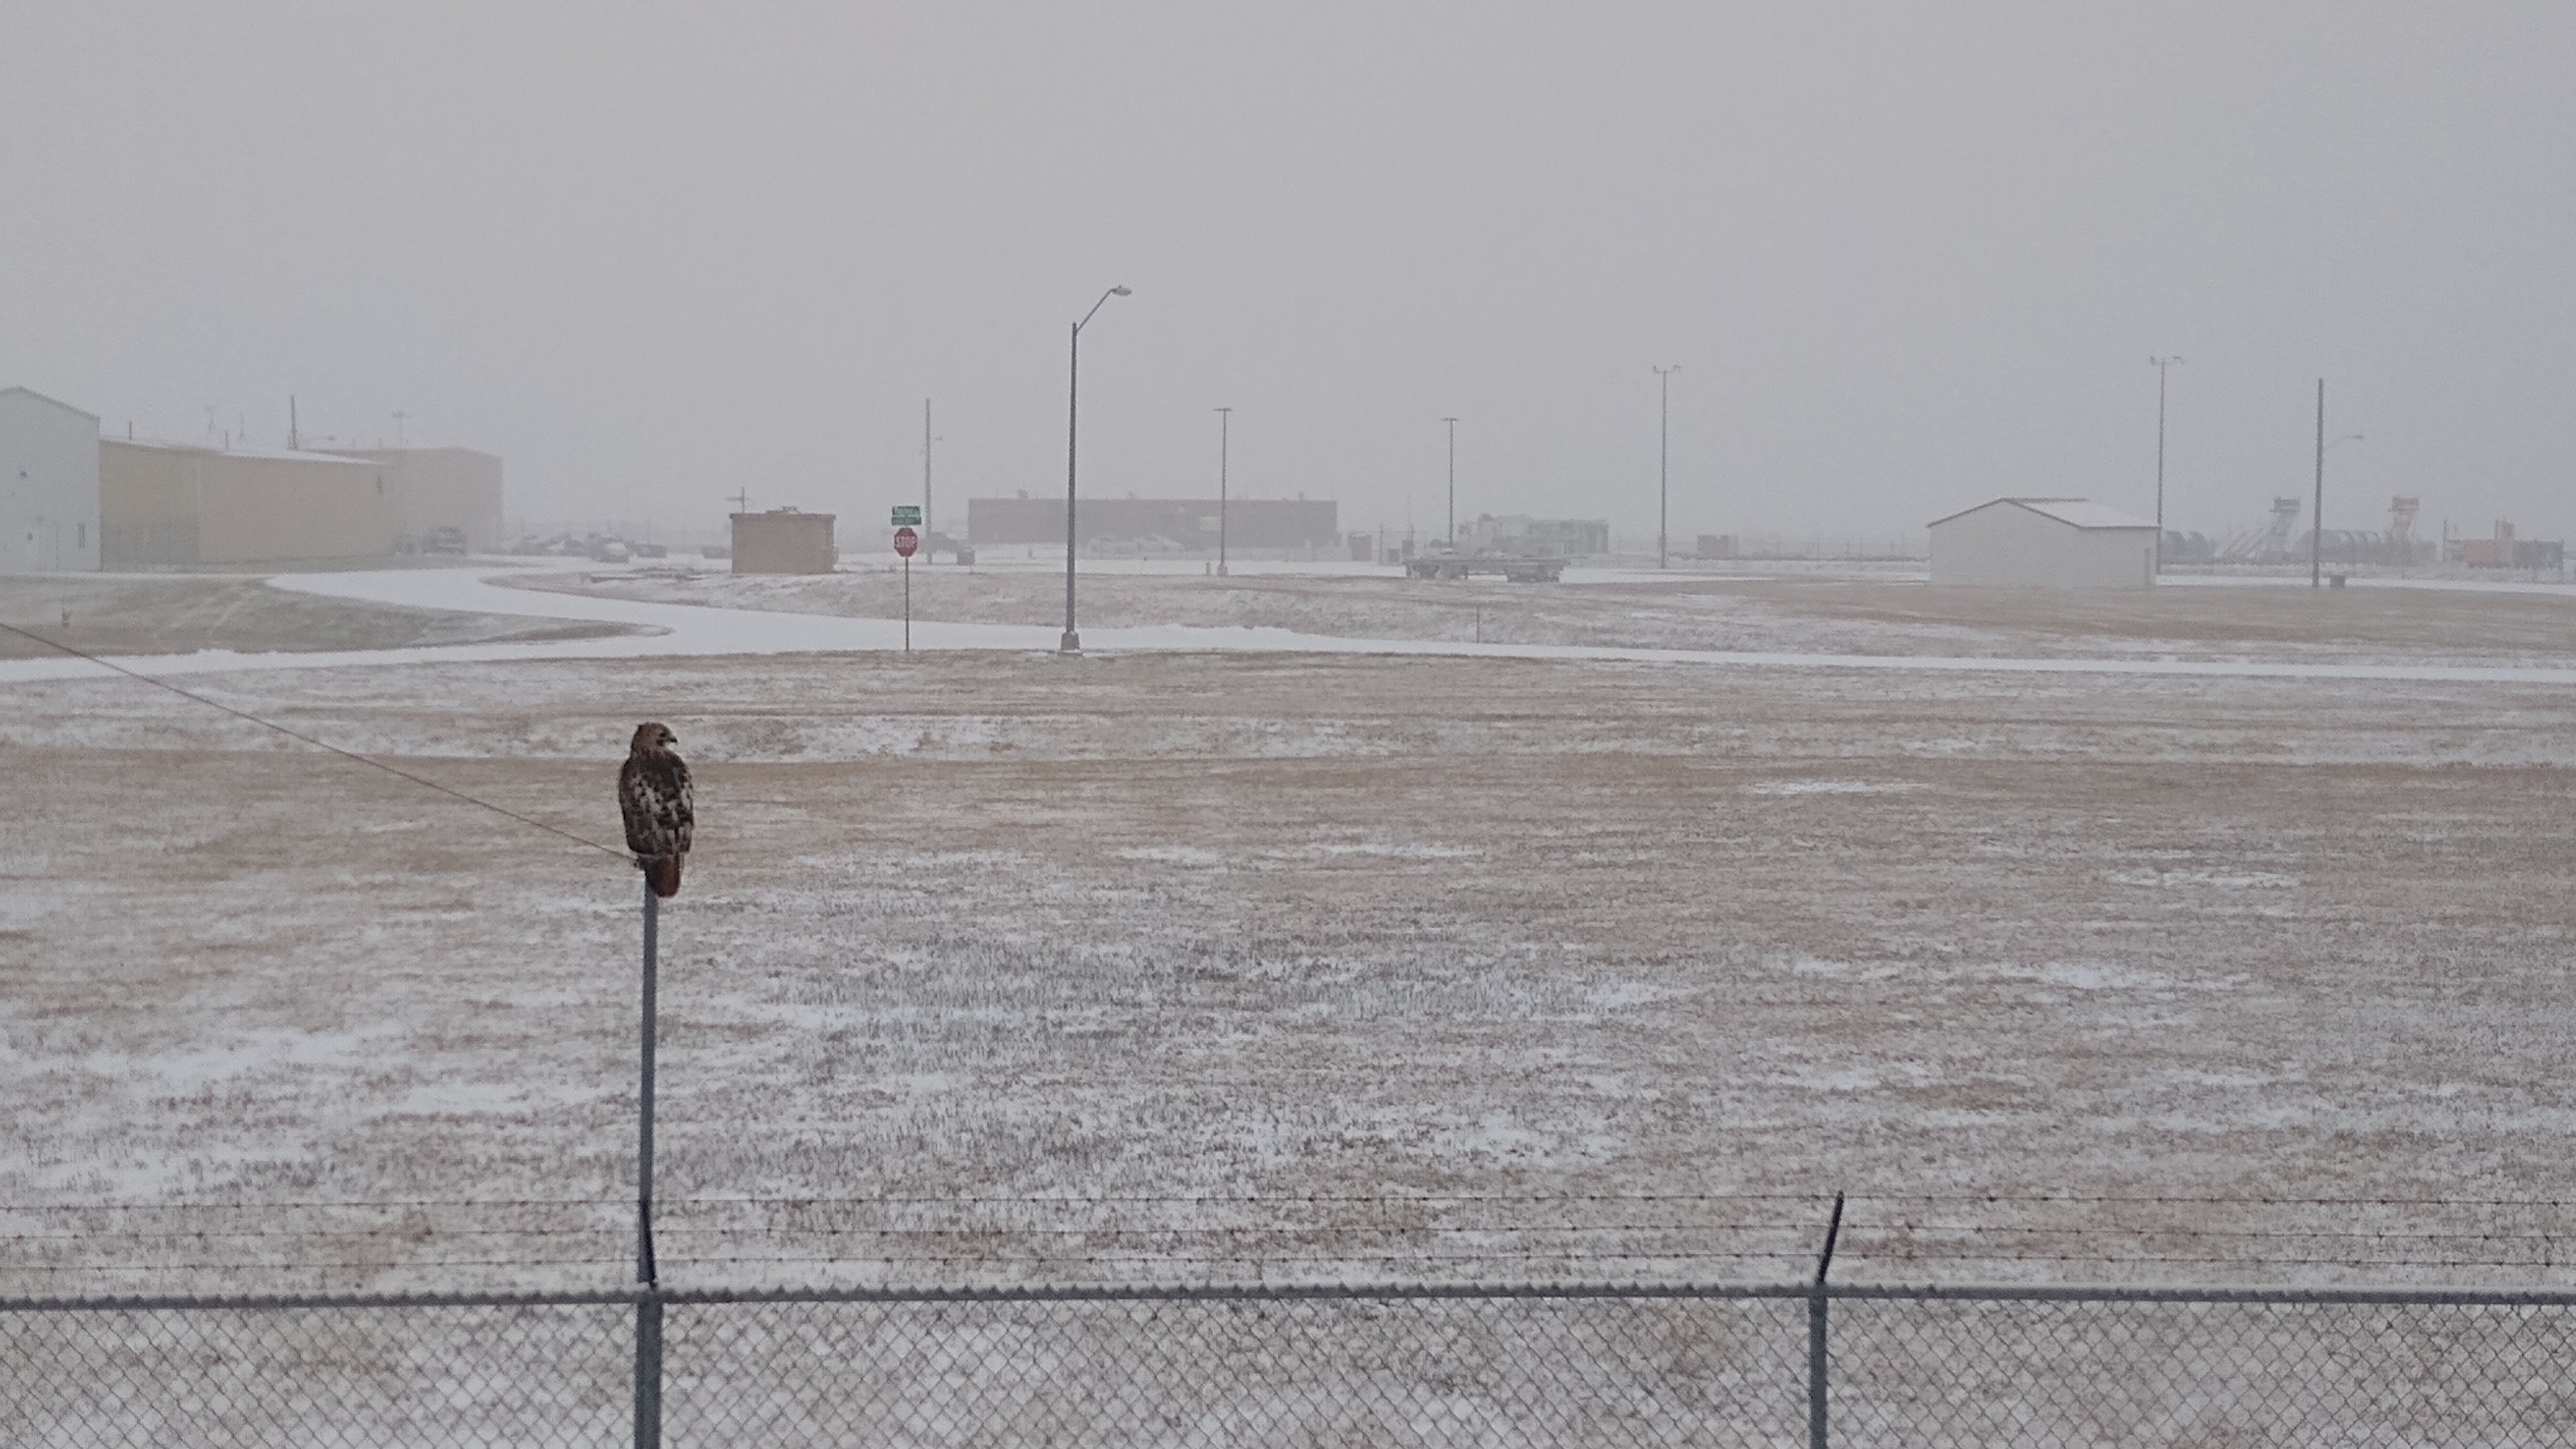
pixel 1345 1365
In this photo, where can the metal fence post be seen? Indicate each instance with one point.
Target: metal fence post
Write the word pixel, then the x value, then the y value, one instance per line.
pixel 644 1269
pixel 1816 1418
pixel 648 1308
pixel 648 1370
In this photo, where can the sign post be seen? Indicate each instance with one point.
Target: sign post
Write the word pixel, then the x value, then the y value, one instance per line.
pixel 906 542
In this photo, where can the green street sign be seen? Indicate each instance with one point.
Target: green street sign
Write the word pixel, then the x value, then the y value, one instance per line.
pixel 907 515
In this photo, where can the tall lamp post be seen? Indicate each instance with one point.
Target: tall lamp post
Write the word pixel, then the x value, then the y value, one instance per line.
pixel 2317 515
pixel 2160 364
pixel 1453 483
pixel 1071 645
pixel 1224 439
pixel 1664 467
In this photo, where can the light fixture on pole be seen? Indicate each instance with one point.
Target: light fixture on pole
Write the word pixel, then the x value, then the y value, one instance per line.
pixel 1453 483
pixel 2160 364
pixel 1664 467
pixel 1224 437
pixel 1071 644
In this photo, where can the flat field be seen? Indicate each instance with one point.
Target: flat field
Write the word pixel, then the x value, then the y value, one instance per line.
pixel 2385 622
pixel 1204 965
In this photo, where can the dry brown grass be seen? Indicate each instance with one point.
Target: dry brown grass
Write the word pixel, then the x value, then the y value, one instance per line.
pixel 1166 925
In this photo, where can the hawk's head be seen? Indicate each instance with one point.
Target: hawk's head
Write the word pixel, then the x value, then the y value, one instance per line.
pixel 653 738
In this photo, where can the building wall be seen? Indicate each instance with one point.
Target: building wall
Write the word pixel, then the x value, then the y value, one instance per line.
pixel 1188 523
pixel 48 485
pixel 147 503
pixel 783 541
pixel 163 503
pixel 444 488
pixel 1521 534
pixel 2005 545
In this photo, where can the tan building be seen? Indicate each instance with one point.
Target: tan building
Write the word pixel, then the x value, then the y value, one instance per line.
pixel 172 503
pixel 435 488
pixel 783 541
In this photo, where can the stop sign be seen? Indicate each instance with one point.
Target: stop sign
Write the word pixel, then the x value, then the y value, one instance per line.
pixel 906 542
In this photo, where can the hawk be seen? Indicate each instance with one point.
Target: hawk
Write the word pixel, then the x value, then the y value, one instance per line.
pixel 653 791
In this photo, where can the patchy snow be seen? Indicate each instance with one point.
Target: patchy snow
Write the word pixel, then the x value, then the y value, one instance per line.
pixel 687 631
pixel 1297 957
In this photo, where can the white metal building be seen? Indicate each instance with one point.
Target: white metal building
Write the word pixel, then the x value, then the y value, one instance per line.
pixel 48 484
pixel 2062 543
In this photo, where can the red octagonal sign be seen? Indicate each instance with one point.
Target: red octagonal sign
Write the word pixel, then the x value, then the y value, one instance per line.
pixel 906 542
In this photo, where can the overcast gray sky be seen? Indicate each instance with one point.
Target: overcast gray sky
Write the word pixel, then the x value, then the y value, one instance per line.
pixel 1910 256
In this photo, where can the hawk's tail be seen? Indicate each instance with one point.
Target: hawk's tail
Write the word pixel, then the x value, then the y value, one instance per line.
pixel 664 873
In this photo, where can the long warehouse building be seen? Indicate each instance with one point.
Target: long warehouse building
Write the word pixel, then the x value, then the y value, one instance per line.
pixel 1181 523
pixel 75 501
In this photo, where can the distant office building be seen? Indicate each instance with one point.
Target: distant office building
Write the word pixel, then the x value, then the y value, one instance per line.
pixel 1529 537
pixel 177 504
pixel 783 541
pixel 48 484
pixel 435 488
pixel 2066 543
pixel 1152 524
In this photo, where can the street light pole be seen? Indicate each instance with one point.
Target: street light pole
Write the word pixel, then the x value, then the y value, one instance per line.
pixel 1224 439
pixel 1071 645
pixel 2160 364
pixel 1453 483
pixel 1664 467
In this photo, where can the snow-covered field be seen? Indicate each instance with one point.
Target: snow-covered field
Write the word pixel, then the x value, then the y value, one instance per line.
pixel 1312 958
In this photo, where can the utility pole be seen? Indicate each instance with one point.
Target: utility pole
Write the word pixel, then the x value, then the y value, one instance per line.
pixel 1664 468
pixel 1224 444
pixel 402 438
pixel 2317 516
pixel 2160 364
pixel 1453 483
pixel 294 435
pixel 2317 533
pixel 925 468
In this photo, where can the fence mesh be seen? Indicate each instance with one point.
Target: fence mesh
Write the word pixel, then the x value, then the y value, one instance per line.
pixel 1394 1366
pixel 1515 1371
pixel 410 1375
pixel 1915 1372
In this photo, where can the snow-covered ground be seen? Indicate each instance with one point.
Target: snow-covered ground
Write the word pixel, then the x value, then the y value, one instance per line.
pixel 1631 617
pixel 1352 955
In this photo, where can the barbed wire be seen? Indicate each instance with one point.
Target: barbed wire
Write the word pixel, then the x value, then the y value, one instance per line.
pixel 258 1205
pixel 371 763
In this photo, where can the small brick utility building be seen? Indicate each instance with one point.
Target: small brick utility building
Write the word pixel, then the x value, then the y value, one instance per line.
pixel 783 541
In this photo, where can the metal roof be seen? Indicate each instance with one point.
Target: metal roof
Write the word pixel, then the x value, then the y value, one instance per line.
pixel 51 401
pixel 2074 512
pixel 305 455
